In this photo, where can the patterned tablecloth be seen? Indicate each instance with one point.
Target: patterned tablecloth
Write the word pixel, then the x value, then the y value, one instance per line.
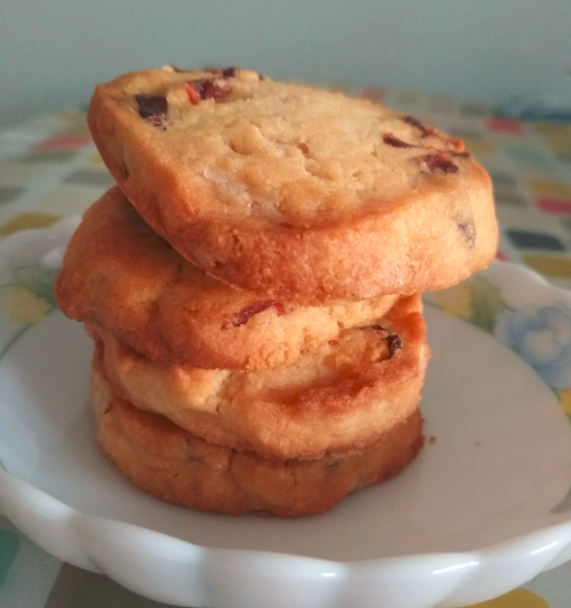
pixel 49 169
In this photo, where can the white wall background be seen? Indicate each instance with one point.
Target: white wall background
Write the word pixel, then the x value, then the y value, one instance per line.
pixel 52 52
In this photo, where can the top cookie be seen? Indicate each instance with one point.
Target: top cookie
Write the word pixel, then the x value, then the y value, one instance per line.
pixel 291 190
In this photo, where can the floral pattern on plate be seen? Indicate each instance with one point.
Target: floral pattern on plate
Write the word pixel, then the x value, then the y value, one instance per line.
pixel 539 333
pixel 28 267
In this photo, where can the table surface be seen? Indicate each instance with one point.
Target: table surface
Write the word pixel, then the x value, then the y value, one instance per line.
pixel 50 169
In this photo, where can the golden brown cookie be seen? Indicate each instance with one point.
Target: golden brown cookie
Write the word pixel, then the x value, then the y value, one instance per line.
pixel 293 191
pixel 345 396
pixel 171 464
pixel 122 276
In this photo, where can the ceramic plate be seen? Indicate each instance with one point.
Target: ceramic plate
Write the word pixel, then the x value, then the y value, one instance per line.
pixel 482 510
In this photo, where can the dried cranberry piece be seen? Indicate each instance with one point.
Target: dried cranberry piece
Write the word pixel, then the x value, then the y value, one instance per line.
pixel 394 343
pixel 193 92
pixel 436 161
pixel 151 105
pixel 242 317
pixel 207 88
pixel 411 120
pixel 216 89
pixel 153 108
pixel 231 72
pixel 395 142
pixel 467 231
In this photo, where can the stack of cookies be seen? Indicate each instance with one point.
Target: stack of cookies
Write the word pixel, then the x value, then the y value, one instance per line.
pixel 252 285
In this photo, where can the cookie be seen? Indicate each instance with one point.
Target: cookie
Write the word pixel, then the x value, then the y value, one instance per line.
pixel 293 191
pixel 344 397
pixel 171 464
pixel 120 275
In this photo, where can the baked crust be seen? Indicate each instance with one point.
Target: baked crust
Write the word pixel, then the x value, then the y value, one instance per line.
pixel 344 397
pixel 120 275
pixel 171 464
pixel 294 191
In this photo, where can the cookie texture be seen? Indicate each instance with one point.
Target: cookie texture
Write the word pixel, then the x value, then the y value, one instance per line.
pixel 293 191
pixel 171 464
pixel 120 275
pixel 344 397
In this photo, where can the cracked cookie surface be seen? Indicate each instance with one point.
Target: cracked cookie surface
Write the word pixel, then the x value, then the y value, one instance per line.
pixel 122 276
pixel 343 397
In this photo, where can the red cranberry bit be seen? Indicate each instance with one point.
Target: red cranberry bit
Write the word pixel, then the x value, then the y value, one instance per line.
pixel 467 231
pixel 231 72
pixel 411 120
pixel 394 343
pixel 153 108
pixel 207 88
pixel 216 89
pixel 151 105
pixel 242 317
pixel 193 92
pixel 436 162
pixel 395 142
